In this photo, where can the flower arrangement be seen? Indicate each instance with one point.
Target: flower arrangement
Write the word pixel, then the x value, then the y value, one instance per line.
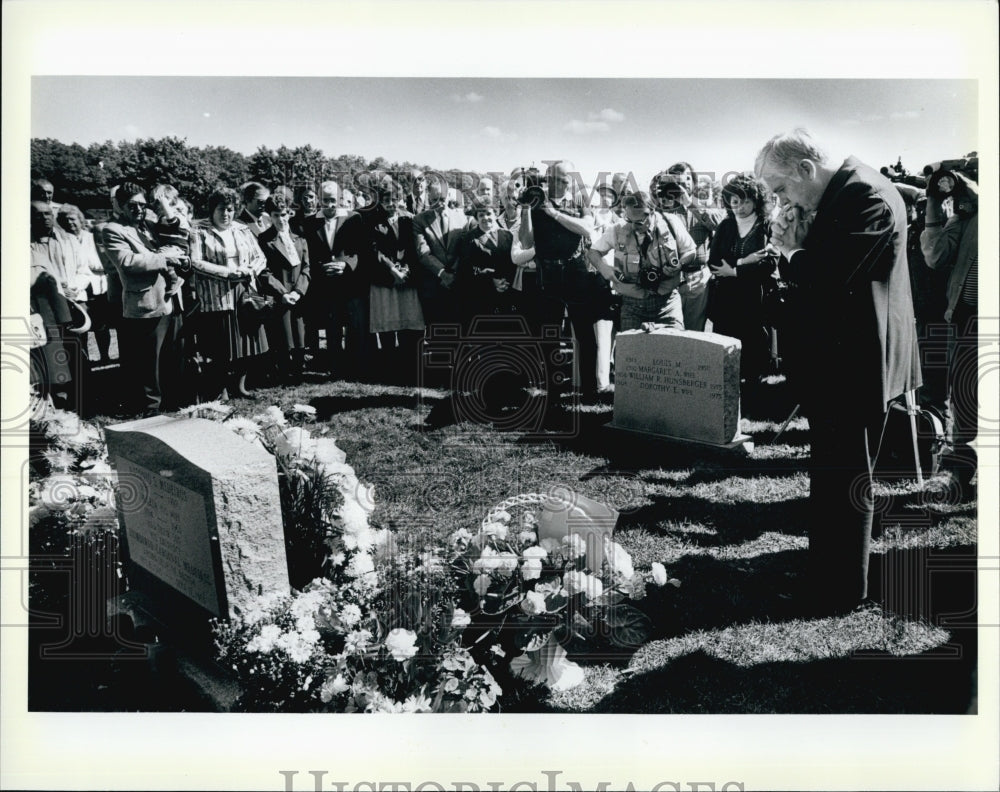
pixel 532 597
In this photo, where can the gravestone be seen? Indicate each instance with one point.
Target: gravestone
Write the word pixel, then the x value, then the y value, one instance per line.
pixel 679 384
pixel 200 515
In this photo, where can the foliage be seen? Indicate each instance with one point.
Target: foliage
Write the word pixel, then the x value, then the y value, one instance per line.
pixel 85 175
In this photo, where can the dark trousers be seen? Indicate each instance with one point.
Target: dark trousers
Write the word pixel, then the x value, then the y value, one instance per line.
pixel 843 444
pixel 140 343
pixel 347 336
pixel 963 390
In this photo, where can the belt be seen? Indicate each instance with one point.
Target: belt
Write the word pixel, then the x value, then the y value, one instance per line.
pixel 571 260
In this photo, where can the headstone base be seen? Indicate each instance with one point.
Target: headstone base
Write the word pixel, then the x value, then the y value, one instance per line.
pixel 177 663
pixel 740 444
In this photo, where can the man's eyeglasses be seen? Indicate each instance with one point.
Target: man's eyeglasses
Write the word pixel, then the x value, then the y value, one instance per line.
pixel 136 204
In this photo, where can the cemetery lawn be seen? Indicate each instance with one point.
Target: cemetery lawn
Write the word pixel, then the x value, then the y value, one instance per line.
pixel 734 638
pixel 732 527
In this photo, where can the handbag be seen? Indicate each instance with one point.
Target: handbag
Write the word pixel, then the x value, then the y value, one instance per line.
pixel 252 307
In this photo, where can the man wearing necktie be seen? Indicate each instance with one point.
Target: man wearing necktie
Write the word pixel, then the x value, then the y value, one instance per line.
pixel 253 215
pixel 437 233
pixel 337 300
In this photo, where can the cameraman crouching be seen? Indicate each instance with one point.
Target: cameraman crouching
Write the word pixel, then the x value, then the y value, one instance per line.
pixel 953 246
pixel 650 249
pixel 558 227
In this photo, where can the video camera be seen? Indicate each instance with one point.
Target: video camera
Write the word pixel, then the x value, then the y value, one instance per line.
pixel 943 181
pixel 531 193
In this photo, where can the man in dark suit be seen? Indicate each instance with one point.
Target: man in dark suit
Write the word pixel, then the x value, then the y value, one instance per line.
pixel 436 233
pixel 253 215
pixel 842 233
pixel 339 256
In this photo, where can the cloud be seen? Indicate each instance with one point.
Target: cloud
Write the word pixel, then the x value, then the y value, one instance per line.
pixel 206 115
pixel 578 127
pixel 607 114
pixel 495 133
pixel 470 98
pixel 131 130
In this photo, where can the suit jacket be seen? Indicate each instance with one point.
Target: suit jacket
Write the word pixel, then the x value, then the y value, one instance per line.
pixel 437 249
pixel 143 272
pixel 391 246
pixel 478 252
pixel 257 225
pixel 855 283
pixel 282 274
pixel 350 239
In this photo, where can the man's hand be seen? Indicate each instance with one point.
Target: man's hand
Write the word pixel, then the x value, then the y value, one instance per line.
pixel 789 229
pixel 447 279
pixel 501 285
pixel 724 270
pixel 697 279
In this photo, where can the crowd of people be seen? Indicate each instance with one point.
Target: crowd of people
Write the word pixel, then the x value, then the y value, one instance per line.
pixel 273 280
pixel 804 260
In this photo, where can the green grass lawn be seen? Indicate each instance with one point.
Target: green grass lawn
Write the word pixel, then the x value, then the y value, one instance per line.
pixel 732 527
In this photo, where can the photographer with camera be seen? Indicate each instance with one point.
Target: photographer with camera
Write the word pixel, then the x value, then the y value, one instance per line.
pixel 672 190
pixel 649 251
pixel 558 226
pixel 950 243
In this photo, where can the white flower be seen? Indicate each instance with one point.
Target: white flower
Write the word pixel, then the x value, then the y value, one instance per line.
pixel 354 517
pixel 482 584
pixel 303 409
pixel 533 603
pixel 550 544
pixel 527 537
pixel 575 545
pixel 659 573
pixel 618 559
pixel 360 564
pixel 418 702
pixel 294 441
pixel 503 516
pixel 548 666
pixel 265 641
pixel 401 644
pixel 243 427
pixel 575 582
pixel 272 416
pixel 531 569
pixel 461 536
pixel 327 453
pixel 495 530
pixel 298 646
pixel 460 619
pixel 333 686
pixel 528 520
pixel 356 642
pixel 350 614
pixel 535 552
pixel 494 561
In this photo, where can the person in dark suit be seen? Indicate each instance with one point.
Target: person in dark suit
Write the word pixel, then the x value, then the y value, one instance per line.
pixel 339 258
pixel 287 280
pixel 436 233
pixel 253 215
pixel 485 266
pixel 396 317
pixel 842 232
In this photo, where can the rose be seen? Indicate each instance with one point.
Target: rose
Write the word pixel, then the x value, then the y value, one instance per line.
pixel 326 452
pixel 533 603
pixel 527 537
pixel 401 644
pixel 531 569
pixel 535 552
pixel 460 619
pixel 575 582
pixel 482 584
pixel 495 530
pixel 659 573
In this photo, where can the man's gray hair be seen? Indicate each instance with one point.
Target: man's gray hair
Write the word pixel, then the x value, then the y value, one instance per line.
pixel 330 188
pixel 786 150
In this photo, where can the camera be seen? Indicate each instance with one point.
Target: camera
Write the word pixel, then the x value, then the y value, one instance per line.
pixel 669 191
pixel 531 193
pixel 650 277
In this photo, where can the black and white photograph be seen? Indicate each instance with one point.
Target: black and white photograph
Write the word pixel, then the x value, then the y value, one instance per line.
pixel 435 364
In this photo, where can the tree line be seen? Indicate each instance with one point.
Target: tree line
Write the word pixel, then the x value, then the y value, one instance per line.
pixel 84 175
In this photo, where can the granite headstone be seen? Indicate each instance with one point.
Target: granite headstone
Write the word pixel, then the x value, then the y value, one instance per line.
pixel 679 384
pixel 200 513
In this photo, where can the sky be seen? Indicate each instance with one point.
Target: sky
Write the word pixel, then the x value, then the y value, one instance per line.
pixel 639 124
